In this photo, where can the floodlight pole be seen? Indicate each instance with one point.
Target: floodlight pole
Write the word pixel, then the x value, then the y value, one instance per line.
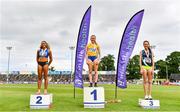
pixel 9 49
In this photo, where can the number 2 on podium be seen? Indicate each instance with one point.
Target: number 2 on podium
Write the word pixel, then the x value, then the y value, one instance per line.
pixel 39 98
pixel 95 94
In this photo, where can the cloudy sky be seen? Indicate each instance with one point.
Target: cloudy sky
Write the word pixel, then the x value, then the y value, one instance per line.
pixel 25 23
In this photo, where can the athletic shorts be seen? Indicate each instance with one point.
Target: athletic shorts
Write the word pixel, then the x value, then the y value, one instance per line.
pixel 42 63
pixel 92 58
pixel 147 67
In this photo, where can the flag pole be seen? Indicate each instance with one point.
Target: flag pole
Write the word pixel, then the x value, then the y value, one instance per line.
pixel 74 92
pixel 116 91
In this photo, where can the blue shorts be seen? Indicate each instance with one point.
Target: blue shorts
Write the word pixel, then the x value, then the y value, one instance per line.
pixel 92 58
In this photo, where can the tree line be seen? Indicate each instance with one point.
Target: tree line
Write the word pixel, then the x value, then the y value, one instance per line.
pixel 163 68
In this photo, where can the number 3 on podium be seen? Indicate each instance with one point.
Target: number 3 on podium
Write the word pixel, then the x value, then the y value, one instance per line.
pixel 95 94
pixel 39 100
pixel 151 103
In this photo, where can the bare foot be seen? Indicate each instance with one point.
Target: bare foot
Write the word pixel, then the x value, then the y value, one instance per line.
pixel 38 92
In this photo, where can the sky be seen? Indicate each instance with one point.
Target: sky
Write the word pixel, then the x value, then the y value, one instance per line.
pixel 25 23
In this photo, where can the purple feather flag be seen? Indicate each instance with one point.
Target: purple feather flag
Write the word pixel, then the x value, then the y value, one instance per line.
pixel 81 48
pixel 126 47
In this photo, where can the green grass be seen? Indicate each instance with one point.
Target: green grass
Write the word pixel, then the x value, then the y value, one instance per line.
pixel 15 97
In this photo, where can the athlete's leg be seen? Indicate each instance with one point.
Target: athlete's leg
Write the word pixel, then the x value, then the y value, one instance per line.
pixel 90 64
pixel 145 82
pixel 150 75
pixel 45 69
pixel 39 79
pixel 96 63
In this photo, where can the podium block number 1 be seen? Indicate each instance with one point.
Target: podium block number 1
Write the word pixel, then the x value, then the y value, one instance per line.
pixel 39 100
pixel 93 97
pixel 94 93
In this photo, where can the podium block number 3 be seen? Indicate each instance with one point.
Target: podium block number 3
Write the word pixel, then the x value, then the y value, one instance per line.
pixel 150 103
pixel 94 92
pixel 39 100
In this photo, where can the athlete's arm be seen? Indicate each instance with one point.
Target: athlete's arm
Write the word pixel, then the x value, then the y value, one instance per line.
pixel 140 58
pixel 50 57
pixel 37 56
pixel 99 52
pixel 86 56
pixel 152 60
pixel 140 64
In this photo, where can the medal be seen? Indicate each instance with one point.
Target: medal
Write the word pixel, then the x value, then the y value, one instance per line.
pixel 147 59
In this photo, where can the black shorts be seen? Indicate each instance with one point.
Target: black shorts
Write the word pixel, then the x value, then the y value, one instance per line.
pixel 42 63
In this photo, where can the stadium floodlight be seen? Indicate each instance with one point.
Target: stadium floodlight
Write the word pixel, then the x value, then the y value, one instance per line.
pixel 9 49
pixel 72 49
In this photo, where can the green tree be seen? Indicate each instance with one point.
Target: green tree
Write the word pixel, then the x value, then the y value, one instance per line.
pixel 173 62
pixel 107 63
pixel 160 66
pixel 133 69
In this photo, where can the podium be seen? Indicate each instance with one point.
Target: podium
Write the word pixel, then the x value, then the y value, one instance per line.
pixel 149 104
pixel 41 101
pixel 94 97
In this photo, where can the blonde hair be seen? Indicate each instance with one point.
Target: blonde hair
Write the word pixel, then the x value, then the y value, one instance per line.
pixel 47 45
pixel 95 38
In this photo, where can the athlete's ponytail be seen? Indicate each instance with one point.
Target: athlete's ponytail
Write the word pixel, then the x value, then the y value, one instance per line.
pixel 150 50
pixel 95 42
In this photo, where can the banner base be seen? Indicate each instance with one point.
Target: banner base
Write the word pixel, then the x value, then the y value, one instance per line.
pixel 113 101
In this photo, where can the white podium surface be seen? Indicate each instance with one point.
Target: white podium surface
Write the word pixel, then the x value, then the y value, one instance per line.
pixel 41 101
pixel 149 104
pixel 94 97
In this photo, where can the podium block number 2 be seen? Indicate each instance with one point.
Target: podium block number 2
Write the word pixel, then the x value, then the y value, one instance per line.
pixel 39 100
pixel 94 93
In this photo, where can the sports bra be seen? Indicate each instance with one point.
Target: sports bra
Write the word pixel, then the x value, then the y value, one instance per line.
pixel 43 53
